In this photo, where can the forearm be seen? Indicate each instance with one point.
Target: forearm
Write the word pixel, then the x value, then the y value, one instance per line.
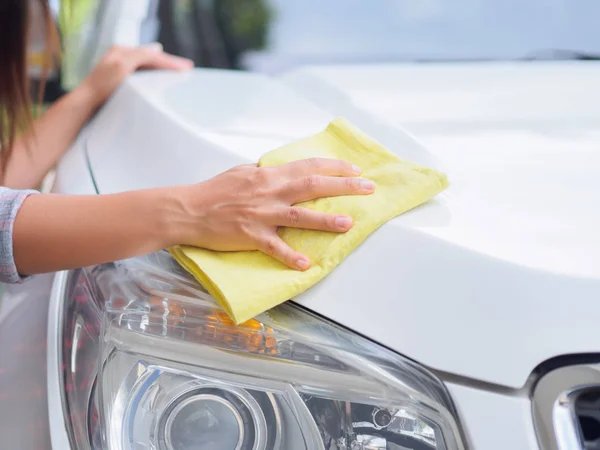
pixel 59 232
pixel 39 149
pixel 36 152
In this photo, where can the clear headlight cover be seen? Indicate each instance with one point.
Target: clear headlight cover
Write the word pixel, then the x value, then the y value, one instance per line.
pixel 152 363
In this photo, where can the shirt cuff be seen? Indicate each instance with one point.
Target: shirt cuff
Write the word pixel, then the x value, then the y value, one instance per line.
pixel 10 205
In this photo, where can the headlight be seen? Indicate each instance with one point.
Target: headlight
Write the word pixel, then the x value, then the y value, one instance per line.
pixel 150 362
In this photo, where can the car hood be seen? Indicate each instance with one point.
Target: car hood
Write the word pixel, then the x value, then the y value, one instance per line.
pixel 495 276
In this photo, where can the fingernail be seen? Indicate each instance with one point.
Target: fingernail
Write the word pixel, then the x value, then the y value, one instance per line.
pixel 367 185
pixel 302 264
pixel 343 223
pixel 357 170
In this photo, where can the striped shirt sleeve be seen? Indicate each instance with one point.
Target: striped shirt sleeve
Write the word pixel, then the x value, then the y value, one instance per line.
pixel 10 203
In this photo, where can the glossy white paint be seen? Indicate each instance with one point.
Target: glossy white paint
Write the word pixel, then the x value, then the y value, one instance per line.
pixel 505 260
pixel 495 421
pixel 72 172
pixel 525 135
pixel 165 128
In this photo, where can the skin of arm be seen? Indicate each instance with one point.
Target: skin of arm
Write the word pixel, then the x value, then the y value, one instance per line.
pixel 37 151
pixel 60 232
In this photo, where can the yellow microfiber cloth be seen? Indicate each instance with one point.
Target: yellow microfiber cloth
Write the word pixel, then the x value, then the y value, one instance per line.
pixel 250 282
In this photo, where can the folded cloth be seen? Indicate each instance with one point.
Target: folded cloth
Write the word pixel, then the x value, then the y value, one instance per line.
pixel 248 283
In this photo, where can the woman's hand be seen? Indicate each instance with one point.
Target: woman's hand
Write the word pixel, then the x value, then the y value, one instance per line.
pixel 119 62
pixel 242 208
pixel 237 210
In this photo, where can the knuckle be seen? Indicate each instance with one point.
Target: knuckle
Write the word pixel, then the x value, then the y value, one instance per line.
pixel 246 167
pixel 352 183
pixel 260 181
pixel 293 216
pixel 262 176
pixel 246 172
pixel 312 163
pixel 271 246
pixel 312 182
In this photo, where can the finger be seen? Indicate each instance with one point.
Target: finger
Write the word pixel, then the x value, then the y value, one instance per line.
pixel 316 186
pixel 274 246
pixel 321 166
pixel 152 57
pixel 165 61
pixel 298 217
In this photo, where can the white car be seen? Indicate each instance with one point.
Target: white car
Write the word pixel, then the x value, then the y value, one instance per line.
pixel 470 322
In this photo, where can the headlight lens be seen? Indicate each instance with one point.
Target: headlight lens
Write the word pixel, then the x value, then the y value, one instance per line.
pixel 150 362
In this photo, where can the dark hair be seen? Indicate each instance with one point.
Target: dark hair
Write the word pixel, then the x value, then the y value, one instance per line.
pixel 15 101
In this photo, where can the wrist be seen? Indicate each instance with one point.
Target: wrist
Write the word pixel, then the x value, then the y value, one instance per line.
pixel 175 215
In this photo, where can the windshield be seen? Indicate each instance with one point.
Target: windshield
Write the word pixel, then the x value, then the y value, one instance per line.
pixel 276 35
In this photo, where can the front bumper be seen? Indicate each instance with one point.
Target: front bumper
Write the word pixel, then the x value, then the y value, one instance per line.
pixel 495 419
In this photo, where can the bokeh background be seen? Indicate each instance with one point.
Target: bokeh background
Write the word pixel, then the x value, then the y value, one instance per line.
pixel 276 35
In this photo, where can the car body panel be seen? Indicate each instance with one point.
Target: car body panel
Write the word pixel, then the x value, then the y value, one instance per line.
pixel 495 420
pixel 519 142
pixel 490 266
pixel 72 174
